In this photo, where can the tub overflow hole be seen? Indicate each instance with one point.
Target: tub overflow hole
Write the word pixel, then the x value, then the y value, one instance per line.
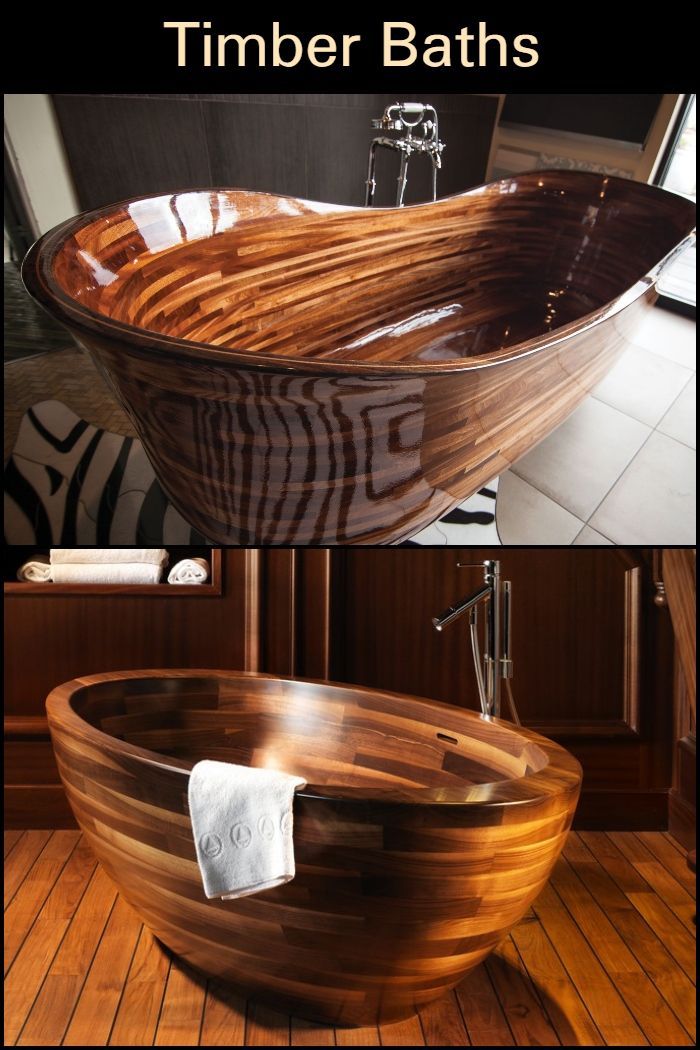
pixel 449 739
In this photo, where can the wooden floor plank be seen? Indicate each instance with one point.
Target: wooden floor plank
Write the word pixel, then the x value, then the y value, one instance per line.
pixel 27 974
pixel 528 1020
pixel 20 860
pixel 674 862
pixel 11 838
pixel 674 842
pixel 183 1006
pixel 443 1024
pixel 368 1036
pixel 675 986
pixel 64 897
pixel 661 919
pixel 609 1012
pixel 58 989
pixel 402 1033
pixel 136 1019
pixel 483 1015
pixel 615 863
pixel 95 1010
pixel 567 1012
pixel 603 955
pixel 659 878
pixel 651 1011
pixel 266 1027
pixel 670 930
pixel 224 1017
pixel 34 890
pixel 306 1033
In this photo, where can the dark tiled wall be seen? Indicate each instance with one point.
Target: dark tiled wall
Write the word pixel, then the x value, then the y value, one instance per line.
pixel 312 146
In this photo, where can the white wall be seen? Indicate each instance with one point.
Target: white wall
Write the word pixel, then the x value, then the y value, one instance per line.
pixel 34 142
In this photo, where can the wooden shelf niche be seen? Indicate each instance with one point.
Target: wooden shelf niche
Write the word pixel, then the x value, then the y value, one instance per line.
pixel 16 556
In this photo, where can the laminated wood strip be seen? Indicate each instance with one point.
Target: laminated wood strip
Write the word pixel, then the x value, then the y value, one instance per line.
pixel 374 367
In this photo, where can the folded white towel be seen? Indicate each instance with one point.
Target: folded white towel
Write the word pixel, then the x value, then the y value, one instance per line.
pixel 38 570
pixel 108 555
pixel 189 570
pixel 122 573
pixel 242 826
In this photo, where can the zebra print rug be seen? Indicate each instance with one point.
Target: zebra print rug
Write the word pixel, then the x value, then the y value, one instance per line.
pixel 69 482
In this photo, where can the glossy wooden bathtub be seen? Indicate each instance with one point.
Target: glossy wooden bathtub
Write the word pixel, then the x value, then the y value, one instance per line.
pixel 422 837
pixel 303 373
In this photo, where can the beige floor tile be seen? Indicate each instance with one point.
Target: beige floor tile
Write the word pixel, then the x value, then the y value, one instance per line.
pixel 578 464
pixel 679 421
pixel 525 515
pixel 667 334
pixel 588 537
pixel 643 385
pixel 654 500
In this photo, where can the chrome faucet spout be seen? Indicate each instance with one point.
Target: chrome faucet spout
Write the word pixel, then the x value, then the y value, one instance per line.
pixel 453 612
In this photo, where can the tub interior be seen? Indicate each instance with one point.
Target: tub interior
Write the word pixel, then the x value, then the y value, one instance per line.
pixel 463 278
pixel 328 735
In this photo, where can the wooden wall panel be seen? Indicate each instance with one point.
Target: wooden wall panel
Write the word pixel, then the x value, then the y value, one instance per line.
pixel 593 654
pixel 676 586
pixel 312 146
pixel 119 147
pixel 571 616
pixel 50 639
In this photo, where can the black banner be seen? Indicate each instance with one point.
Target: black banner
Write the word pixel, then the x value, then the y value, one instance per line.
pixel 117 49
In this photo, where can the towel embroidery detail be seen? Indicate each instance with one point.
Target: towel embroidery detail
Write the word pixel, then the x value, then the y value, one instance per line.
pixel 210 844
pixel 286 824
pixel 241 836
pixel 266 827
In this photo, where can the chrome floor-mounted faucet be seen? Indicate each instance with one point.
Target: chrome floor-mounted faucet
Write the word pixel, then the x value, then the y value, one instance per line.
pixel 493 664
pixel 418 124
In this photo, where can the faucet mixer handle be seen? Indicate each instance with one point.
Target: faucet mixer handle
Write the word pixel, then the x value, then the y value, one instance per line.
pixel 470 564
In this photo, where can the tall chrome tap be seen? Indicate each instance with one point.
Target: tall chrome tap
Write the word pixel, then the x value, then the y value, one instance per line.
pixel 418 124
pixel 494 663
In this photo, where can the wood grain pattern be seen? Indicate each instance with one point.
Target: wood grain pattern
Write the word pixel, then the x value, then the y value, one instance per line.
pixel 21 859
pixel 139 1009
pixel 538 989
pixel 10 840
pixel 572 638
pixel 675 986
pixel 305 373
pixel 679 581
pixel 422 836
pixel 86 632
pixel 35 888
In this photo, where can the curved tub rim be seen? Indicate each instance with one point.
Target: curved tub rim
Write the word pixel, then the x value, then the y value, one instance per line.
pixel 561 771
pixel 39 281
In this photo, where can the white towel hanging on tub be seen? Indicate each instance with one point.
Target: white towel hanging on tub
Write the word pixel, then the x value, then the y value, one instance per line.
pixel 242 825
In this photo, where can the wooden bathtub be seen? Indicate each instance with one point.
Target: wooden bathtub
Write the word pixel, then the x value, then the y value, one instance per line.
pixel 422 837
pixel 304 373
